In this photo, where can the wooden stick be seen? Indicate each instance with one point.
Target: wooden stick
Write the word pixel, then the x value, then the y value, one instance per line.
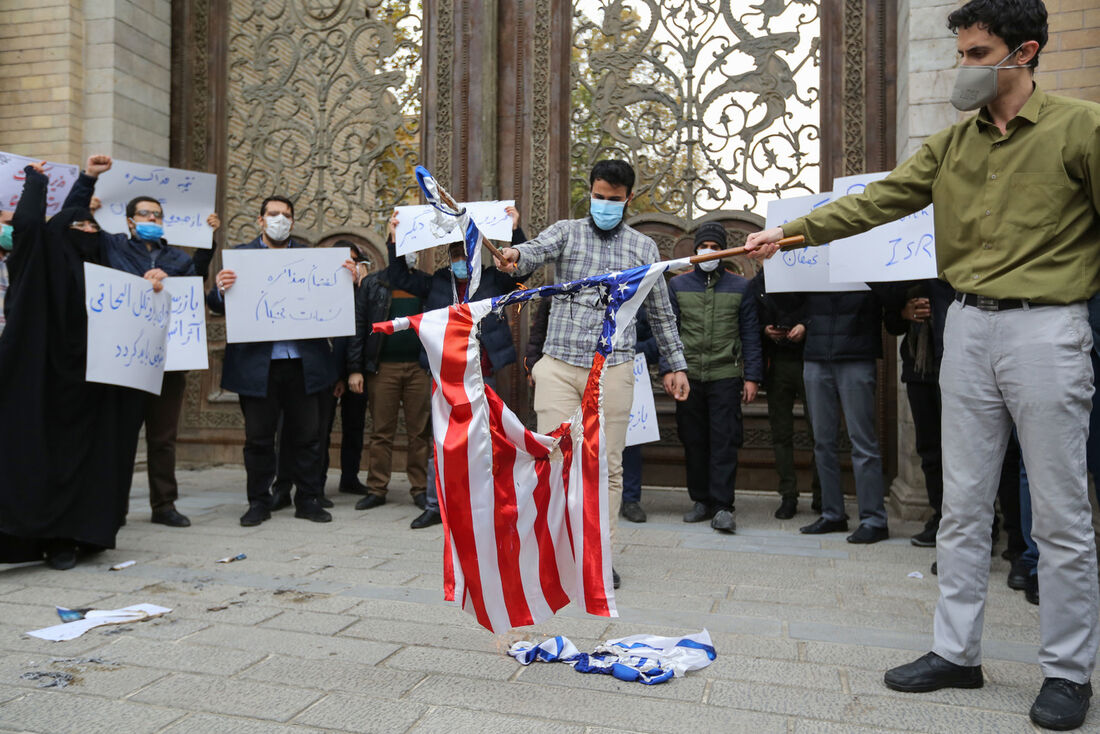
pixel 449 201
pixel 786 243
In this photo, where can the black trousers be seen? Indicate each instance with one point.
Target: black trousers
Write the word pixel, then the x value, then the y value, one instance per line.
pixel 300 413
pixel 353 419
pixel 924 404
pixel 710 427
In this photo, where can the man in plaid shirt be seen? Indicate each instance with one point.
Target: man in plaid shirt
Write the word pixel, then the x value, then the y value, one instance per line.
pixel 579 248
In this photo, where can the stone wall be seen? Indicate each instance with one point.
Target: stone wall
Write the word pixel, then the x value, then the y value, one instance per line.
pixel 78 76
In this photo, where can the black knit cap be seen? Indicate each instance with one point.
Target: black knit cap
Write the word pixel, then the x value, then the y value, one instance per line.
pixel 711 232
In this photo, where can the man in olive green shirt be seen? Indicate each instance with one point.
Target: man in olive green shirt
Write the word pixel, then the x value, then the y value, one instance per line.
pixel 1016 190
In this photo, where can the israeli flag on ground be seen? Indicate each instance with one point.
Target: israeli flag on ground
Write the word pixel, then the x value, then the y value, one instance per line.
pixel 642 658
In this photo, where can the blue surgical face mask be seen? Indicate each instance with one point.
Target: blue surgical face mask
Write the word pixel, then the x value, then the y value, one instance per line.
pixel 5 237
pixel 458 267
pixel 606 214
pixel 148 231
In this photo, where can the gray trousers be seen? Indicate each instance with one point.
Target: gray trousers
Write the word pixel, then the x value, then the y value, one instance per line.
pixel 830 387
pixel 1028 366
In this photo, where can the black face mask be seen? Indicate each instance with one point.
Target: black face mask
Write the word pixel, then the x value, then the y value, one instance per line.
pixel 85 244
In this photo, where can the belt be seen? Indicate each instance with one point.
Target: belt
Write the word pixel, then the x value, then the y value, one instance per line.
pixel 985 303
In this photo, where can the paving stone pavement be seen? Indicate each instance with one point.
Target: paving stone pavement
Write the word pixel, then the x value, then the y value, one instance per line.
pixel 342 627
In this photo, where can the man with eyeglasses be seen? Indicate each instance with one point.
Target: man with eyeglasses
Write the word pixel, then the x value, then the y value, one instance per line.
pixel 144 252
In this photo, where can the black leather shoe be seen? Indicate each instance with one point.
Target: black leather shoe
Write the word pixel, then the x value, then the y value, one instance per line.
pixel 256 514
pixel 931 673
pixel 371 500
pixel 426 519
pixel 325 502
pixel 61 555
pixel 787 508
pixel 312 511
pixel 1018 576
pixel 723 520
pixel 356 487
pixel 927 537
pixel 935 568
pixel 632 511
pixel 280 498
pixel 170 517
pixel 1031 589
pixel 698 513
pixel 615 580
pixel 868 534
pixel 821 525
pixel 1061 704
pixel 420 499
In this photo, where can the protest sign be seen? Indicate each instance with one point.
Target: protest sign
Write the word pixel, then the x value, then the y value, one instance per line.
pixel 186 196
pixel 804 268
pixel 282 294
pixel 642 427
pixel 187 330
pixel 61 177
pixel 904 249
pixel 417 228
pixel 127 329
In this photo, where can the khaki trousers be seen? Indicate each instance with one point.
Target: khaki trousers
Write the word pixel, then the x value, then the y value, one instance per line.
pixel 558 390
pixel 399 384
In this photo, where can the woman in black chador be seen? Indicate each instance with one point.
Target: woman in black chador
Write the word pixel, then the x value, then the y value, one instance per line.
pixel 66 446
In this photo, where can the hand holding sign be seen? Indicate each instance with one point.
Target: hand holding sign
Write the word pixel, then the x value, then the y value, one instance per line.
pixel 62 178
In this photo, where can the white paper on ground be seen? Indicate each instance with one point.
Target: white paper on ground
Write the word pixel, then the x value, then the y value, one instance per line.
pixel 187 197
pixel 99 618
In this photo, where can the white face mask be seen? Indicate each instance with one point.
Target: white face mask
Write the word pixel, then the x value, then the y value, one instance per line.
pixel 277 227
pixel 710 265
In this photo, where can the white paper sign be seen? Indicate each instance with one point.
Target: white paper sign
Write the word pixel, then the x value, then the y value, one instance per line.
pixel 417 228
pixel 642 427
pixel 127 329
pixel 806 268
pixel 904 249
pixel 187 330
pixel 61 177
pixel 186 196
pixel 282 294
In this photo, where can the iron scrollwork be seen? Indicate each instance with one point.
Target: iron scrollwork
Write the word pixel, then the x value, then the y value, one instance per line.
pixel 324 108
pixel 716 107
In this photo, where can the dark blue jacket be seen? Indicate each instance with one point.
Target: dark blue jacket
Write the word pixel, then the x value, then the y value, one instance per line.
pixel 894 297
pixel 438 291
pixel 372 304
pixel 247 364
pixel 843 326
pixel 133 256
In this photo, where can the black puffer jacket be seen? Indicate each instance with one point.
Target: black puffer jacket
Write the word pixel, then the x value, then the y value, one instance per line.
pixel 372 304
pixel 842 326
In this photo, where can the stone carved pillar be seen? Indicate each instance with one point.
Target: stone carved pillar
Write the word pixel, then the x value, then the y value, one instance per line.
pixel 926 56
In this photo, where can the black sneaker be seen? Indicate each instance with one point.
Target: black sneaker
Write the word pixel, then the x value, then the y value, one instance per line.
pixel 723 520
pixel 787 508
pixel 927 537
pixel 170 517
pixel 1031 589
pixel 698 513
pixel 632 511
pixel 868 534
pixel 1061 704
pixel 426 519
pixel 935 568
pixel 930 672
pixel 615 580
pixel 256 514
pixel 312 511
pixel 325 502
pixel 371 501
pixel 280 498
